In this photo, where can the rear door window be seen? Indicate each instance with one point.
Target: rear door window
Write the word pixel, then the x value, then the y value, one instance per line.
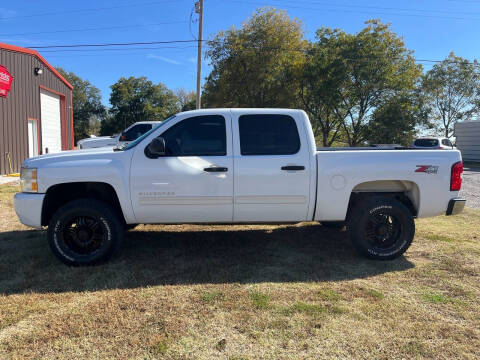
pixel 268 134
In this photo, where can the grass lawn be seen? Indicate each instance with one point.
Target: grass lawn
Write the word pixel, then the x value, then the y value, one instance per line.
pixel 242 292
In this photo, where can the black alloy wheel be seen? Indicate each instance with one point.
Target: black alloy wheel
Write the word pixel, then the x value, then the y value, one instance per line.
pixel 85 232
pixel 381 227
pixel 84 235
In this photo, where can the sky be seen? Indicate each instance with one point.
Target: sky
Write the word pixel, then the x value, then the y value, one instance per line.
pixel 431 28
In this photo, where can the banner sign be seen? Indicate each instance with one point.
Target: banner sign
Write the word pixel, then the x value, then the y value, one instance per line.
pixel 5 81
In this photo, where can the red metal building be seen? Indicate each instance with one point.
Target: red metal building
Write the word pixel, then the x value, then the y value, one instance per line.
pixel 36 113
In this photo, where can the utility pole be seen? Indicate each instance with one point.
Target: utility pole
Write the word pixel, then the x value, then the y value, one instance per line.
pixel 199 10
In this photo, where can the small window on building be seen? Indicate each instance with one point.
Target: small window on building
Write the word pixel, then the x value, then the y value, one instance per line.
pixel 197 136
pixel 266 134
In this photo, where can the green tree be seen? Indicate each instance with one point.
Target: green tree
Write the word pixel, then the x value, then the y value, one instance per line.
pixel 356 73
pixel 322 80
pixel 397 119
pixel 88 109
pixel 256 65
pixel 453 90
pixel 187 99
pixel 138 99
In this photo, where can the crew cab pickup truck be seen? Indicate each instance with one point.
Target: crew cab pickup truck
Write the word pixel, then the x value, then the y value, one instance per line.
pixel 234 166
pixel 131 133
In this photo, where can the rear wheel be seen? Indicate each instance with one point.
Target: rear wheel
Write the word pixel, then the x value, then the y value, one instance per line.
pixel 339 225
pixel 381 228
pixel 84 232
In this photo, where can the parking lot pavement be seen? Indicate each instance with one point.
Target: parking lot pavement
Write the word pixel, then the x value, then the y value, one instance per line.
pixel 471 186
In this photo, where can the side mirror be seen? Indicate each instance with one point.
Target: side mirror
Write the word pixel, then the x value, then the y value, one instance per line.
pixel 156 148
pixel 123 137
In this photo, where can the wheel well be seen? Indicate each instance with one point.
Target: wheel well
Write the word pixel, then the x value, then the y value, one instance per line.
pixel 357 197
pixel 59 195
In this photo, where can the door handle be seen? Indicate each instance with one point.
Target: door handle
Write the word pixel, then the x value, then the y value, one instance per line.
pixel 293 167
pixel 216 169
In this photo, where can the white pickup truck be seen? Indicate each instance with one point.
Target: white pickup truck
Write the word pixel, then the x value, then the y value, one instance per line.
pixel 131 133
pixel 234 166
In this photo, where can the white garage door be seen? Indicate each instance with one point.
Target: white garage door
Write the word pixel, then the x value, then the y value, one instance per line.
pixel 51 122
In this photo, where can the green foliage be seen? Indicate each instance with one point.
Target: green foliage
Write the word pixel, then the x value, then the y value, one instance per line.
pixel 88 109
pixel 187 99
pixel 453 90
pixel 375 294
pixel 357 73
pixel 301 307
pixel 329 295
pixel 257 65
pixel 437 298
pixel 340 79
pixel 312 309
pixel 322 78
pixel 138 99
pixel 159 348
pixel 395 121
pixel 211 296
pixel 260 300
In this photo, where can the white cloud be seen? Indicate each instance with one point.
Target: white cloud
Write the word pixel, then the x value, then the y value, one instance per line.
pixel 162 58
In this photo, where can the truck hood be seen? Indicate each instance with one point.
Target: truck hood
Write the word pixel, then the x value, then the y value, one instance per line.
pixel 68 155
pixel 97 138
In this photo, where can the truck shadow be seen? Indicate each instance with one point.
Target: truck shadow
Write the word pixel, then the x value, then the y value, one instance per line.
pixel 173 255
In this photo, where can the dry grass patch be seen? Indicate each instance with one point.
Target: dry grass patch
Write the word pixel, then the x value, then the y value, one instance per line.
pixel 242 292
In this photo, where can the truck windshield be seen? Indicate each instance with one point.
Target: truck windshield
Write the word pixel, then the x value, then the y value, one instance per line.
pixel 139 140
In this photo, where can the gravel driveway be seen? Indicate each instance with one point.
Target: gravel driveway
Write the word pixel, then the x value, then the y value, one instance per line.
pixel 471 186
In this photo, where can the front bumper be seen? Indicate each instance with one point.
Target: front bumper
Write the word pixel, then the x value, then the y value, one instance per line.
pixel 455 206
pixel 28 207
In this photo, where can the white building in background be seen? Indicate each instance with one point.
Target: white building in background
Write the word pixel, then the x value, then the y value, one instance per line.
pixel 468 139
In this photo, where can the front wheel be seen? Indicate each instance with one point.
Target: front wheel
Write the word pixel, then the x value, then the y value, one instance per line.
pixel 381 228
pixel 84 232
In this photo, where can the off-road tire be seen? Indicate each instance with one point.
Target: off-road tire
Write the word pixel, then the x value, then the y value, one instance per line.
pixel 381 228
pixel 85 232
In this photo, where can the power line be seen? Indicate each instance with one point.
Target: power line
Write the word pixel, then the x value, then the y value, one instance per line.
pixel 134 4
pixel 378 7
pixel 113 44
pixel 141 52
pixel 117 49
pixel 61 48
pixel 327 9
pixel 96 29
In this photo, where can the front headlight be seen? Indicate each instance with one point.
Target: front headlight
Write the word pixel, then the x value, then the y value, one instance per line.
pixel 28 180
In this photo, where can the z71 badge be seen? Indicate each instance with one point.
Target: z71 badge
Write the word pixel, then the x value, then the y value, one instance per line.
pixel 428 169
